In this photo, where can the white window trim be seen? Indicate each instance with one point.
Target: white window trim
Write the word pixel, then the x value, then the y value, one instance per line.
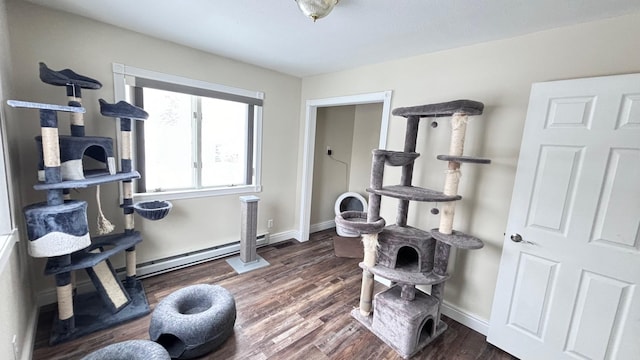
pixel 7 242
pixel 120 74
pixel 8 233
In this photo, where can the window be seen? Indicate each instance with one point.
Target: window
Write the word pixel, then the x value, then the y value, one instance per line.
pixel 200 139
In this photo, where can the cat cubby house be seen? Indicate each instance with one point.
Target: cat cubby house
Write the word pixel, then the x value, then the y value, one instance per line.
pixel 405 319
pixel 58 229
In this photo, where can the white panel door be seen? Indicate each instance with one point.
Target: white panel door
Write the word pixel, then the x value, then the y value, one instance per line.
pixel 570 268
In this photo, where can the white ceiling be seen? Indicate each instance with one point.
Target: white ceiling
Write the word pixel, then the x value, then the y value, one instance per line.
pixel 274 34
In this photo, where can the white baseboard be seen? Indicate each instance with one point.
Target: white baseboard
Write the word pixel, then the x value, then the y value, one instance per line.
pixel 283 236
pixel 322 226
pixel 465 318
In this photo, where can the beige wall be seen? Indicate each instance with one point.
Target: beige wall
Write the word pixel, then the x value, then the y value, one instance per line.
pixel 17 308
pixel 366 137
pixel 88 47
pixel 334 128
pixel 499 74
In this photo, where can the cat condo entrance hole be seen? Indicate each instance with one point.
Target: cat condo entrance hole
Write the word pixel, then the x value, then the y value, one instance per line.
pixel 408 259
pixel 96 161
pixel 350 201
pixel 428 330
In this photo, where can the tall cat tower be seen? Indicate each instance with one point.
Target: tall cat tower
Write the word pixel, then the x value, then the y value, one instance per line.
pixel 58 229
pixel 406 319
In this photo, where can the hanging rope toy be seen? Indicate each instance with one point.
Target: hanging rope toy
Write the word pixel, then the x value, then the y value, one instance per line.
pixel 104 225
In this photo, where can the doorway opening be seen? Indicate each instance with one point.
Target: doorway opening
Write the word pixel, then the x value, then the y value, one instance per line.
pixel 310 144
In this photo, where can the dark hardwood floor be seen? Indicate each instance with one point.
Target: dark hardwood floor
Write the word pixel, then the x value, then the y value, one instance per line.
pixel 297 308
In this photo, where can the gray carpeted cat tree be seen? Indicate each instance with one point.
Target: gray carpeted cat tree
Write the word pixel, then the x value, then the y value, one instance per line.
pixel 406 319
pixel 58 229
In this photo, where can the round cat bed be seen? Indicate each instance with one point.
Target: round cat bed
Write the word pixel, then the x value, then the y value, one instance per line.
pixel 193 321
pixel 130 350
pixel 349 201
pixel 356 222
pixel 152 210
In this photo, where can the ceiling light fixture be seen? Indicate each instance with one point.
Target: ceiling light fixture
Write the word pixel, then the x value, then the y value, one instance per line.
pixel 316 9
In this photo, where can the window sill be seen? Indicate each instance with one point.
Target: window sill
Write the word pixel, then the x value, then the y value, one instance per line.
pixel 7 242
pixel 200 193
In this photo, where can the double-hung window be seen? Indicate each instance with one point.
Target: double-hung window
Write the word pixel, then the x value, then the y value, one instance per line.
pixel 200 139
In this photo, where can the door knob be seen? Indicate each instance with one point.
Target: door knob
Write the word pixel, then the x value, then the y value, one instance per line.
pixel 516 238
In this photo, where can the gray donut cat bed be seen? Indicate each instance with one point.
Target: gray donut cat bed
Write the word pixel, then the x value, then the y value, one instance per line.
pixel 130 350
pixel 193 321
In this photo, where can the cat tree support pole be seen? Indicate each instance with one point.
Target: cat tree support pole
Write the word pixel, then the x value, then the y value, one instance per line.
pixel 370 241
pixel 458 131
pixel 127 193
pixel 51 158
pixel 74 95
pixel 410 141
pixel 76 125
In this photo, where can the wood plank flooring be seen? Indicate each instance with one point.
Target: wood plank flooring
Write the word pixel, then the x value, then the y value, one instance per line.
pixel 297 308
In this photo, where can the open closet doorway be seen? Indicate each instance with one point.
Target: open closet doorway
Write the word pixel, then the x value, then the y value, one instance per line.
pixel 312 111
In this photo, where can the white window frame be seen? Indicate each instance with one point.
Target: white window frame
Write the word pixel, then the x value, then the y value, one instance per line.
pixel 124 75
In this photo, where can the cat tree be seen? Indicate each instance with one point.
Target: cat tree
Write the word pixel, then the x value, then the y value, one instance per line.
pixel 58 229
pixel 406 319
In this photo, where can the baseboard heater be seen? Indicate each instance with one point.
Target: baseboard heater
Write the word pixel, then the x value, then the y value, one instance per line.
pixel 160 266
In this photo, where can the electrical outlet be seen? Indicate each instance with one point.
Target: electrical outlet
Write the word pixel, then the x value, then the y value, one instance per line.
pixel 269 223
pixel 16 352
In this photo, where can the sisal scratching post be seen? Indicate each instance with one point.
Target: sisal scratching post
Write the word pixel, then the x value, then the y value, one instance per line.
pixel 370 242
pixel 109 288
pixel 248 260
pixel 458 131
pixel 127 194
pixel 125 166
pixel 64 294
pixel 65 302
pixel 76 120
pixel 248 234
pixel 51 159
pixel 51 154
pixel 452 180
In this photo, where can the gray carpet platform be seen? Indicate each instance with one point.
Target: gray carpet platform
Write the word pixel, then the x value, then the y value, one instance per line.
pixel 92 315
